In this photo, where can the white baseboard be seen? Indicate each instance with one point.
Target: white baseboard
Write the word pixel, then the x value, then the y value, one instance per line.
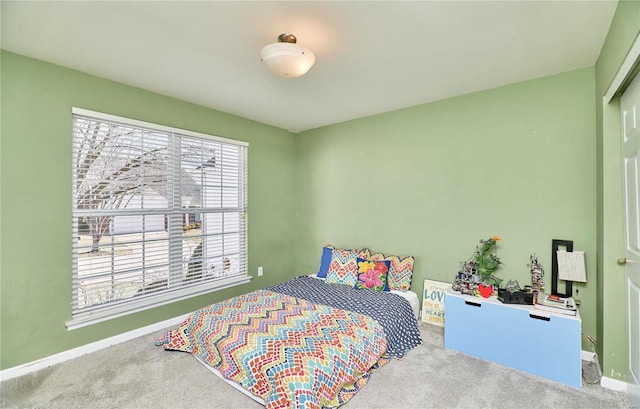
pixel 586 355
pixel 614 384
pixel 609 383
pixel 86 349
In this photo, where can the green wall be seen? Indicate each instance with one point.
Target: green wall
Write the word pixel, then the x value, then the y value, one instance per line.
pixel 431 180
pixel 35 186
pixel 611 287
pixel 529 161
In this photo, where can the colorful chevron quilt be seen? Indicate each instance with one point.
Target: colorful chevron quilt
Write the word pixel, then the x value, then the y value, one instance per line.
pixel 288 351
pixel 392 311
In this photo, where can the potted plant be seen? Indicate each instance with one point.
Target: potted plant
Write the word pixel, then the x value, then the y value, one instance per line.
pixel 477 274
pixel 487 261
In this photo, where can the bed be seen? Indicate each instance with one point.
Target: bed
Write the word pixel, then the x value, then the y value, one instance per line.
pixel 299 344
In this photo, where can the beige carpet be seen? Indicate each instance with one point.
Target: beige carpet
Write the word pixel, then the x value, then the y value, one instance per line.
pixel 137 374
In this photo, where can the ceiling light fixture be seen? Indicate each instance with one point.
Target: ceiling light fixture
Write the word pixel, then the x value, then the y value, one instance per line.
pixel 287 59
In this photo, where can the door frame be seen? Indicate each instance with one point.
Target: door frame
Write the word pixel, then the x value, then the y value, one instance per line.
pixel 623 77
pixel 624 72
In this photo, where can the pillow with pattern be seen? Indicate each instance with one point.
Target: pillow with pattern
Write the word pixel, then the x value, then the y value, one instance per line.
pixel 327 253
pixel 343 268
pixel 373 274
pixel 400 272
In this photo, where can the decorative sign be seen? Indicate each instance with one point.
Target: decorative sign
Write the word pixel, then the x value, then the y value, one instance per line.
pixel 433 302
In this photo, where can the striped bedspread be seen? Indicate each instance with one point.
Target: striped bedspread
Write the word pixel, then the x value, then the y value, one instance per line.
pixel 288 351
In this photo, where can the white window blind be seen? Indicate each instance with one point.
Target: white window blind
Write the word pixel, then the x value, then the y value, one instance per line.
pixel 159 214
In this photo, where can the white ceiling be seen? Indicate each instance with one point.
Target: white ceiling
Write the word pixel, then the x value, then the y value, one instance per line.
pixel 371 56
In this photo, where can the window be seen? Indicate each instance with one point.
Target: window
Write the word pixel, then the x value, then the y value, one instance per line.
pixel 159 215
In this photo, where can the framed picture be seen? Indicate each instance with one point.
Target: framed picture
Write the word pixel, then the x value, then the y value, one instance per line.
pixel 433 302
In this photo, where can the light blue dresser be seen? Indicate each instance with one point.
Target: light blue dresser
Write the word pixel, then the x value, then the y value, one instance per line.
pixel 539 342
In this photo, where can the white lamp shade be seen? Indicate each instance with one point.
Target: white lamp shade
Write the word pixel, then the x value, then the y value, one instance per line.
pixel 287 60
pixel 572 266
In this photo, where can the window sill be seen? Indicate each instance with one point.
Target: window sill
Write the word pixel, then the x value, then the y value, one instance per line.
pixel 84 319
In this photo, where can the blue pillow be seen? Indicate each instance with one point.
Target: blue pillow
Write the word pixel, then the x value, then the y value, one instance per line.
pixel 325 261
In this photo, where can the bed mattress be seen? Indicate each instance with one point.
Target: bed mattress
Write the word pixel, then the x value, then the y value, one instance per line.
pixel 413 300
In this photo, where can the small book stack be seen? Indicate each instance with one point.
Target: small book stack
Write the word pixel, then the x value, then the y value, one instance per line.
pixel 554 303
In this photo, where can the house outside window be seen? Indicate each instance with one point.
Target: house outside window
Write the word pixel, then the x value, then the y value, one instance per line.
pixel 159 215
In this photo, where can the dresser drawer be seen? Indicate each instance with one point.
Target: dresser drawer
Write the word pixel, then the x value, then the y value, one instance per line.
pixel 543 344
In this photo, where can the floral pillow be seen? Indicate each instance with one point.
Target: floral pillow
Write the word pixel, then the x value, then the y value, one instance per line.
pixel 401 270
pixel 372 274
